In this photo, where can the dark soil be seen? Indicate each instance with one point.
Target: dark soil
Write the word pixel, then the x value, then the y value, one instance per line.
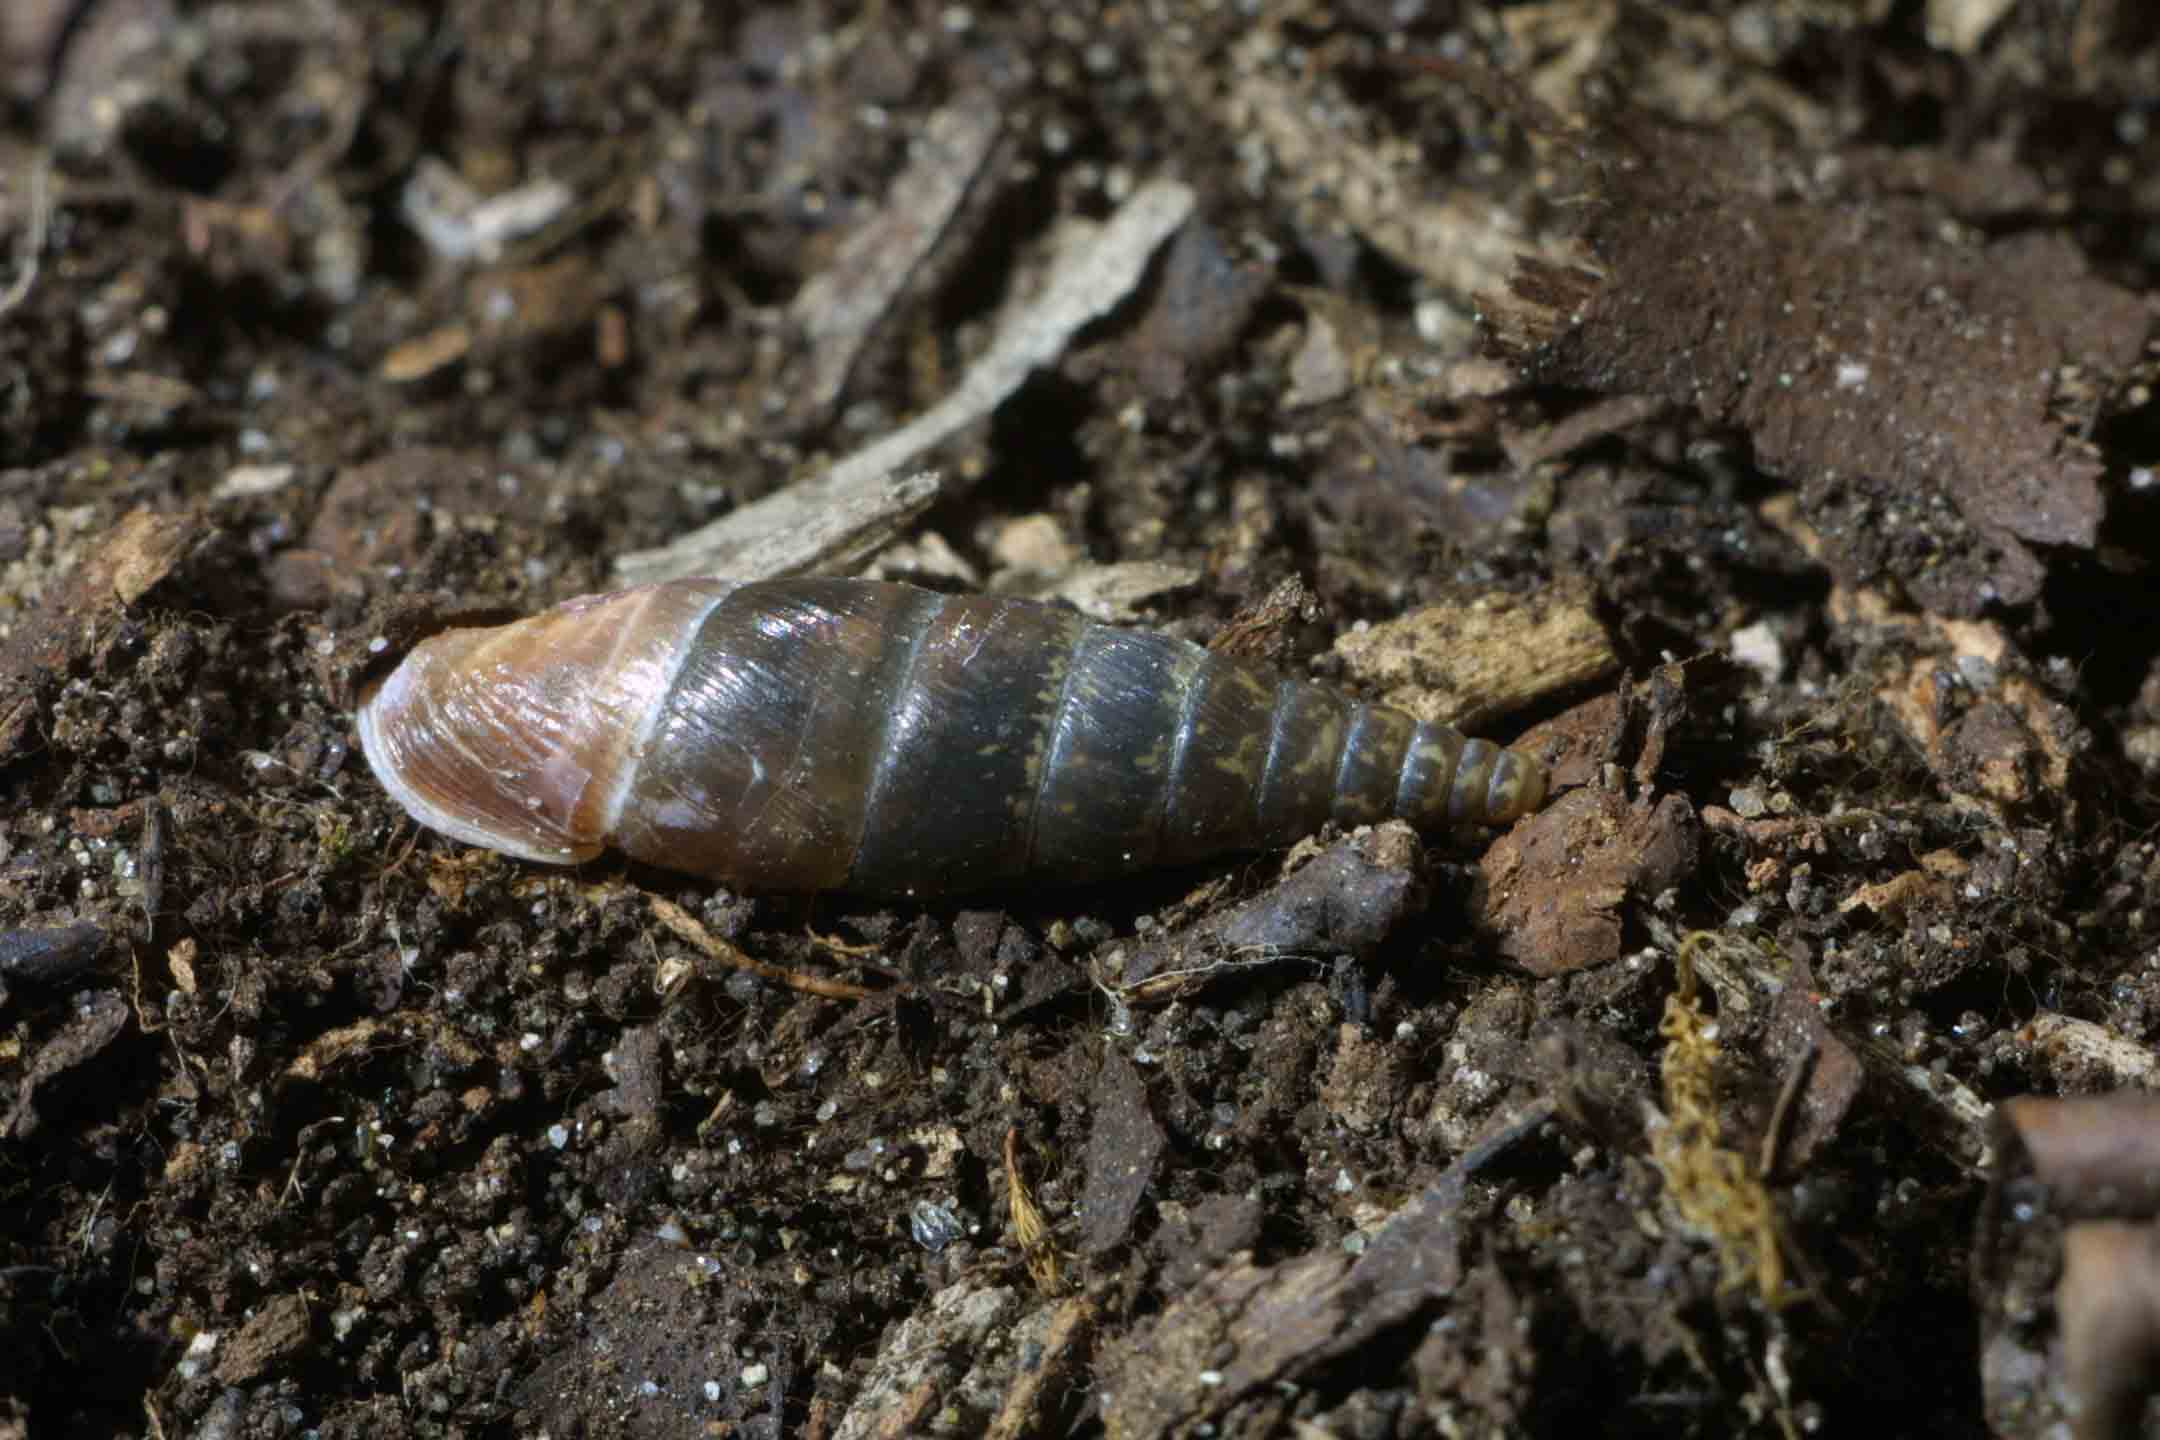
pixel 1746 408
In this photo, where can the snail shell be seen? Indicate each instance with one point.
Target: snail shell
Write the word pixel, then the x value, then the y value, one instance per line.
pixel 815 734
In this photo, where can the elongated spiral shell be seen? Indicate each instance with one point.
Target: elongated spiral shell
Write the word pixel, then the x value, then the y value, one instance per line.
pixel 806 735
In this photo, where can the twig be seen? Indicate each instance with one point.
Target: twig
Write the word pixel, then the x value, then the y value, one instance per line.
pixel 686 927
pixel 1781 1114
pixel 1088 279
pixel 30 246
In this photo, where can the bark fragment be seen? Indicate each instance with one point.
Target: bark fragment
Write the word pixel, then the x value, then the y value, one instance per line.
pixel 1123 1146
pixel 1247 1326
pixel 1919 392
pixel 2066 1267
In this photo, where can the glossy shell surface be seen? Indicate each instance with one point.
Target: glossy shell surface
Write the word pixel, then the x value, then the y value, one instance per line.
pixel 808 735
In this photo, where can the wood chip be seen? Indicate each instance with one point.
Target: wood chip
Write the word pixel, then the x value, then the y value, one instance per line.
pixel 1461 664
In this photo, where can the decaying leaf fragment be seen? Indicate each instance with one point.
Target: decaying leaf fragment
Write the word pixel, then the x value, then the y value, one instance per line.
pixel 1346 900
pixel 1123 1145
pixel 77 618
pixel 1245 1327
pixel 1924 394
pixel 1558 890
pixel 97 1020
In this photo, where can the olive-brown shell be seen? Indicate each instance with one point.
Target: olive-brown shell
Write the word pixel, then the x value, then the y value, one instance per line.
pixel 809 734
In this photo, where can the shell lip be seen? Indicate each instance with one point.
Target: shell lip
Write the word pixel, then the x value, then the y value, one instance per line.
pixel 379 697
pixel 360 662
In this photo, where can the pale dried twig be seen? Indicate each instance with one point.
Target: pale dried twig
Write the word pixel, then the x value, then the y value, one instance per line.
pixel 30 244
pixel 772 536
